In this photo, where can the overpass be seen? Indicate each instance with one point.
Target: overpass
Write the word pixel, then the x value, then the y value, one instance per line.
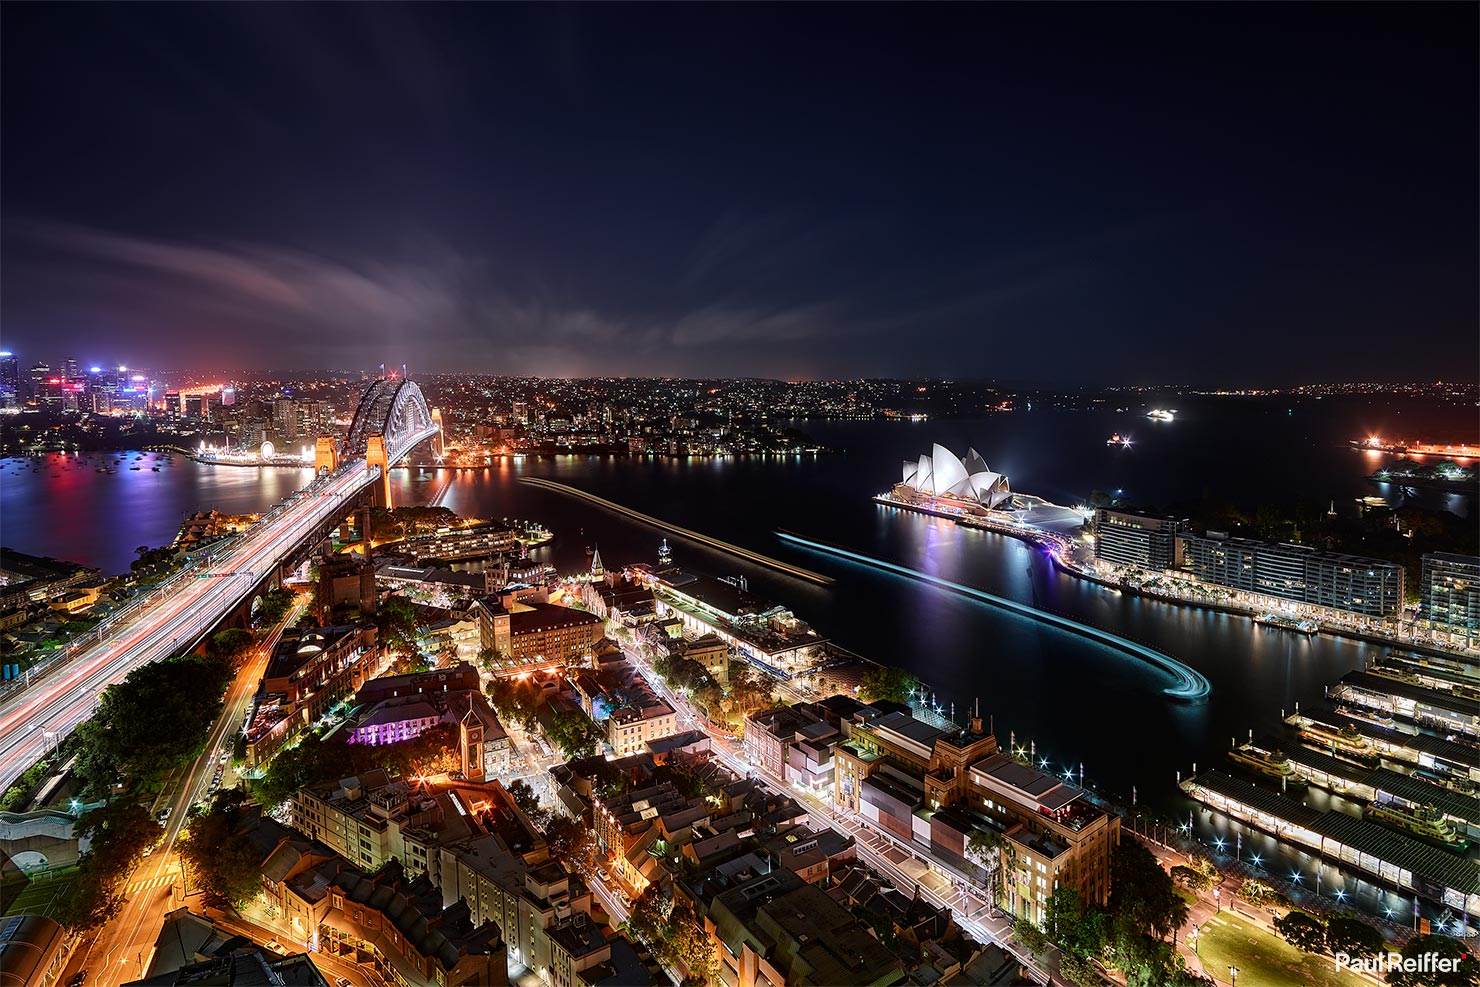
pixel 178 613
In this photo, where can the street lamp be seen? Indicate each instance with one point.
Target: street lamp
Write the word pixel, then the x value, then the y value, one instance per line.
pixel 1233 975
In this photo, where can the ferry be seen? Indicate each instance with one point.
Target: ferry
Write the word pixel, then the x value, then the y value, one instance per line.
pixel 1124 441
pixel 1426 823
pixel 1347 742
pixel 1396 674
pixel 1272 765
pixel 1162 414
pixel 1444 779
pixel 1375 716
pixel 1307 627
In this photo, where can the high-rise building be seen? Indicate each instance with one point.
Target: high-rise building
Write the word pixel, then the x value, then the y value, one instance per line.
pixel 1137 539
pixel 10 371
pixel 228 396
pixel 172 404
pixel 1450 594
pixel 40 373
pixel 1298 573
pixel 71 368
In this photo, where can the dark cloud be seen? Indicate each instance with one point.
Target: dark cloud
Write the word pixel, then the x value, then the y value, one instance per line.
pixel 1047 193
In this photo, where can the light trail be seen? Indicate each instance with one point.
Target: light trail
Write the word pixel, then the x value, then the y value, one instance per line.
pixel 1191 685
pixel 715 543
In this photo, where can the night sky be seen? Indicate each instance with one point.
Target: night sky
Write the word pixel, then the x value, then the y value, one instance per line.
pixel 1252 194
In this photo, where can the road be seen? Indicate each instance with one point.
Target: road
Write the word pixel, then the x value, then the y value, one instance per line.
pixel 121 950
pixel 901 865
pixel 171 617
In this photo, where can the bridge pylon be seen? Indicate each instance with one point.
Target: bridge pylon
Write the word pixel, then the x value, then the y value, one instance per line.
pixel 439 444
pixel 326 454
pixel 376 455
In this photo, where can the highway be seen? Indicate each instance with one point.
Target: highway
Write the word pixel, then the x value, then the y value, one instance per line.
pixel 171 617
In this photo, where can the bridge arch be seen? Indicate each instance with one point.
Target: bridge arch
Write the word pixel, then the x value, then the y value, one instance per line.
pixel 392 418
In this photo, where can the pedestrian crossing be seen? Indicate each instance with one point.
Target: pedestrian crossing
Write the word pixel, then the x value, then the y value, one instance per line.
pixel 163 881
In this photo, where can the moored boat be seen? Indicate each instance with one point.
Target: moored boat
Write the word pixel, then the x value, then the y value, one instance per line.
pixel 1423 822
pixel 1271 764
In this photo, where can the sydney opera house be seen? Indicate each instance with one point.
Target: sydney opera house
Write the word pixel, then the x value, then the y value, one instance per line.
pixel 945 478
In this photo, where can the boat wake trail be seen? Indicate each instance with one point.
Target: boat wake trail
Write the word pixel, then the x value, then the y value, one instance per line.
pixel 1190 685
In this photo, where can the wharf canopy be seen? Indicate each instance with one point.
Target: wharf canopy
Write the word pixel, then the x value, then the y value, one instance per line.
pixel 945 476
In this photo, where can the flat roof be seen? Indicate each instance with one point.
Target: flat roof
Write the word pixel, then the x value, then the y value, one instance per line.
pixel 1047 791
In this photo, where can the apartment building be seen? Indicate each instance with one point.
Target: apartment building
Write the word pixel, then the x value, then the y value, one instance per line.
pixel 1295 574
pixel 1450 595
pixel 1145 540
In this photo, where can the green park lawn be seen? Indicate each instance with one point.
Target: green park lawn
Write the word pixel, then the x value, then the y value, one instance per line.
pixel 1263 959
pixel 38 897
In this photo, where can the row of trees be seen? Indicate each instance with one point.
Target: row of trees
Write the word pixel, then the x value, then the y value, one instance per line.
pixel 674 934
pixel 393 524
pixel 747 690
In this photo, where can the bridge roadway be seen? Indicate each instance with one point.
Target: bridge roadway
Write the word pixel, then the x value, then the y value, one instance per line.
pixel 174 616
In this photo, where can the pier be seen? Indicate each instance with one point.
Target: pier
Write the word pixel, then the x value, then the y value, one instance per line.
pixel 1355 844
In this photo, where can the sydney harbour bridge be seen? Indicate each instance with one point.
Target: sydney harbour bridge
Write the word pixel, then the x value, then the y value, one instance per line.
pixel 176 615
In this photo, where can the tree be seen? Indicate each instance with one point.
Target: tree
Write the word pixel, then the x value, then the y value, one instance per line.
pixel 987 848
pixel 1302 931
pixel 230 645
pixel 1463 966
pixel 395 618
pixel 1352 936
pixel 1031 936
pixel 647 918
pixel 572 842
pixel 223 861
pixel 118 833
pixel 1078 971
pixel 513 698
pixel 274 606
pixel 529 803
pixel 1141 893
pixel 574 733
pixel 889 683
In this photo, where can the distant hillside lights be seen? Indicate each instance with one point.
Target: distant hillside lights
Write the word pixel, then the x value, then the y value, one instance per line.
pixel 943 475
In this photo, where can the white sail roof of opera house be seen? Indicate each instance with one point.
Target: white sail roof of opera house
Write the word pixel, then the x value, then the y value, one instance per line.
pixel 944 474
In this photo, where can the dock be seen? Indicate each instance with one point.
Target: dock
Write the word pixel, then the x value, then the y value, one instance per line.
pixel 1421 750
pixel 1354 844
pixel 1379 785
pixel 1435 708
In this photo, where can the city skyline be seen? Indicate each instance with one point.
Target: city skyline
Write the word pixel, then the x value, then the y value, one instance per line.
pixel 795 194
